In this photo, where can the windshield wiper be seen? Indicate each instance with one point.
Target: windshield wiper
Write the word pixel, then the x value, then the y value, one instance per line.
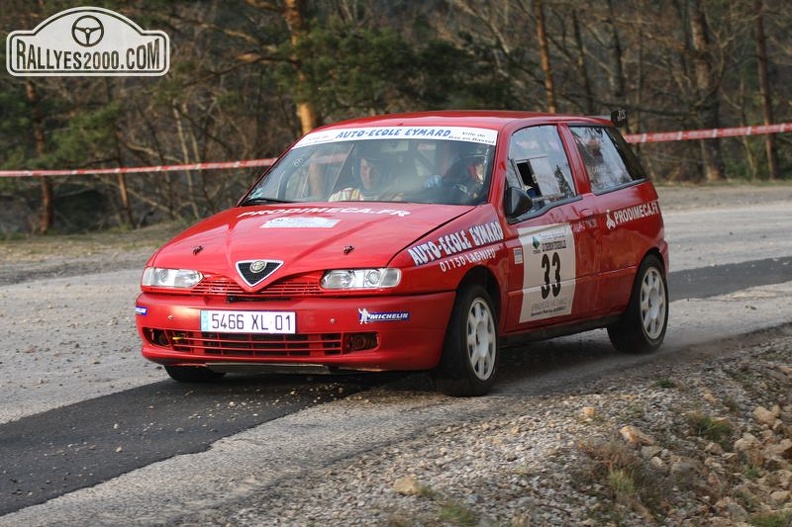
pixel 262 201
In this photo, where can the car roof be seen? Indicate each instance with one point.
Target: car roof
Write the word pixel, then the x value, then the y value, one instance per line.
pixel 491 119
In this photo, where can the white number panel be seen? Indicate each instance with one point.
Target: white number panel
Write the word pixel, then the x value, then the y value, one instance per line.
pixel 548 271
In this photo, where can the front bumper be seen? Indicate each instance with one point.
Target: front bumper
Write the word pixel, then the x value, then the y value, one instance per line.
pixel 361 333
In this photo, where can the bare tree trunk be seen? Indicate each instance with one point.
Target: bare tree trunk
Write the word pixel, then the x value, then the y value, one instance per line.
pixel 708 104
pixel 544 53
pixel 47 213
pixel 177 115
pixel 123 191
pixel 746 140
pixel 581 64
pixel 764 91
pixel 295 14
pixel 617 77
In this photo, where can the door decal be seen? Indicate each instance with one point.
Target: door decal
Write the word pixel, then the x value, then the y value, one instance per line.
pixel 548 271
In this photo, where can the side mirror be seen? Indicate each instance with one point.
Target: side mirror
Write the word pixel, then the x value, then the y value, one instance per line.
pixel 516 202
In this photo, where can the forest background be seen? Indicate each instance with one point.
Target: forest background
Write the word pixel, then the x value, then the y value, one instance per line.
pixel 248 77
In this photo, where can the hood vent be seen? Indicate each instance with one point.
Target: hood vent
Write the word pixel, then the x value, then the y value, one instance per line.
pixel 253 272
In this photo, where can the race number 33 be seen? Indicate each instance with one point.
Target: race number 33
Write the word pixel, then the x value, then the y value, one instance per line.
pixel 555 268
pixel 548 271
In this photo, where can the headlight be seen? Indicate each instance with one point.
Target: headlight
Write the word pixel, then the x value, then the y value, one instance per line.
pixel 178 278
pixel 361 278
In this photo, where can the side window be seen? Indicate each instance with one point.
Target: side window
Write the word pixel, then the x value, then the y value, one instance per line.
pixel 603 159
pixel 538 163
pixel 627 154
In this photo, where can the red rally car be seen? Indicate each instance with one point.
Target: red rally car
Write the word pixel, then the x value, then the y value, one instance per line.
pixel 419 241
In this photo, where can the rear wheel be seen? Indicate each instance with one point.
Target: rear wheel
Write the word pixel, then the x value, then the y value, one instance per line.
pixel 642 327
pixel 470 353
pixel 193 374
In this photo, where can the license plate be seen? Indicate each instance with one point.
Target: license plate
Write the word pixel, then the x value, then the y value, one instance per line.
pixel 267 322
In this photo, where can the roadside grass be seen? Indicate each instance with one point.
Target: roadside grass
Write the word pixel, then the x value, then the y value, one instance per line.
pixel 751 472
pixel 771 519
pixel 447 512
pixel 624 479
pixel 715 429
pixel 32 246
pixel 665 384
pixel 457 514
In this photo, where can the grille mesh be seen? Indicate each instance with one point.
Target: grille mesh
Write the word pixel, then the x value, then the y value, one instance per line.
pixel 298 286
pixel 244 345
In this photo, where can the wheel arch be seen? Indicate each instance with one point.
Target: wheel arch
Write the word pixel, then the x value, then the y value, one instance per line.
pixel 655 251
pixel 484 277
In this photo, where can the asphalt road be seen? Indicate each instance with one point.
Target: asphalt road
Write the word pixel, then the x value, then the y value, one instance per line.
pixel 64 449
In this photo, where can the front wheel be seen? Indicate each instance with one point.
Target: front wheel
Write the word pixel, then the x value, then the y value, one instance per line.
pixel 470 352
pixel 193 374
pixel 642 327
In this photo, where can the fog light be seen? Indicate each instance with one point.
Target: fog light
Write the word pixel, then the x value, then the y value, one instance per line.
pixel 360 341
pixel 157 337
pixel 167 339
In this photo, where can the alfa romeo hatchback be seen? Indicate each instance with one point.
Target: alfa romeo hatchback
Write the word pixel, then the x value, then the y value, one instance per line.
pixel 423 241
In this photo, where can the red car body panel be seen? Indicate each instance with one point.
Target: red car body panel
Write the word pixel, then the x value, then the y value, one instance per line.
pixel 585 250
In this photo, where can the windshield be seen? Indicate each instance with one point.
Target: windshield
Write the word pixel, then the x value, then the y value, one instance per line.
pixel 448 165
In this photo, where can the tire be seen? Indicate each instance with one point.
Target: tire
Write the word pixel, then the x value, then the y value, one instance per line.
pixel 469 362
pixel 642 328
pixel 193 374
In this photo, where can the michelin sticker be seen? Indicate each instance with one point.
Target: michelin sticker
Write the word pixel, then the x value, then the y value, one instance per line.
pixel 366 317
pixel 548 271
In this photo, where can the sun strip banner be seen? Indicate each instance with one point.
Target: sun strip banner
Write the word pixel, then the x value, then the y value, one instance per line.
pixel 651 137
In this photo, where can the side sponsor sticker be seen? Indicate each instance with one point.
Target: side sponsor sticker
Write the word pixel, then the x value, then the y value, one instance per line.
pixel 614 218
pixel 457 242
pixel 548 254
pixel 296 222
pixel 366 316
pixel 322 210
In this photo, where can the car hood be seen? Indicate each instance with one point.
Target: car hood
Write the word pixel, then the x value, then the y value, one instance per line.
pixel 304 238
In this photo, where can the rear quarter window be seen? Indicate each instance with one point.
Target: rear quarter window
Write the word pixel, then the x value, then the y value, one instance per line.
pixel 609 161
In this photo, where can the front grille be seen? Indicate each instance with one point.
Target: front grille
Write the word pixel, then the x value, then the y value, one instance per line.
pixel 297 286
pixel 246 345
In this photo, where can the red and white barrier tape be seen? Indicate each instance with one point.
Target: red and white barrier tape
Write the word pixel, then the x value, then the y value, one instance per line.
pixel 654 137
pixel 132 170
pixel 713 133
